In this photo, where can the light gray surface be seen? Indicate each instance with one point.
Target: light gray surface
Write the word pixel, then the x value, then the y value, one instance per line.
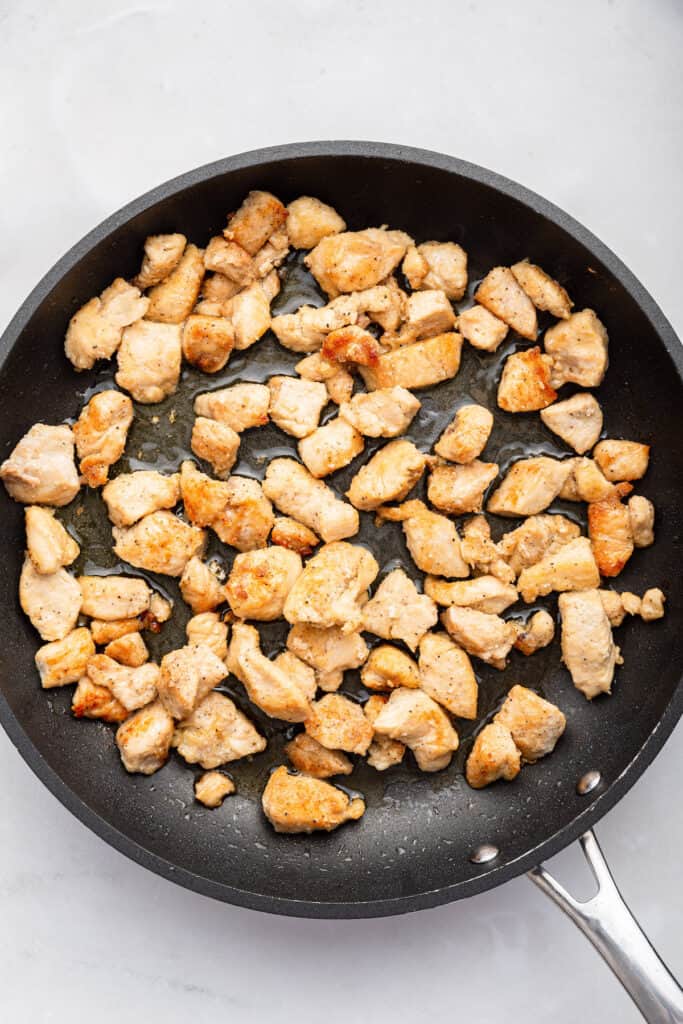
pixel 101 101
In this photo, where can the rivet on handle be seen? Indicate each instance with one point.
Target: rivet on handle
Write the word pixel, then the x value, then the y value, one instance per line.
pixel 588 782
pixel 484 853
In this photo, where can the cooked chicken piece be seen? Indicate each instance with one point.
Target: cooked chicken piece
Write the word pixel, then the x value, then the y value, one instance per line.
pixel 330 447
pixel 49 545
pixel 229 259
pixel 316 367
pixel 578 346
pixel 485 593
pixel 437 265
pixel 299 672
pixel 388 476
pixel 535 724
pixel 295 405
pixel 351 345
pixel 432 539
pixel 588 648
pixel 270 256
pixel 387 412
pixel 130 496
pixel 247 517
pixel 159 543
pixel 306 330
pixel 354 260
pixel 418 365
pixel 112 598
pixel 577 420
pixel 160 610
pixel 51 601
pixel 64 661
pixel 481 553
pixel 172 300
pixel 41 468
pixel 494 756
pixel 652 605
pixel 339 724
pixel 412 717
pixel 94 332
pixel 464 439
pixel 483 636
pixel 215 733
pixel 217 290
pixel 538 632
pixel 310 221
pixel 387 668
pixel 212 788
pixel 295 492
pixel 570 567
pixel 144 739
pixel 631 603
pixel 525 382
pixel 132 687
pixel 529 486
pixel 500 293
pixel 91 701
pixel 460 488
pixel 209 630
pixel 204 499
pixel 288 533
pixel 207 342
pixel 130 650
pixel 385 304
pixel 482 329
pixel 240 406
pixel 641 517
pixel 162 255
pixel 446 675
pixel 298 803
pixel 609 529
pixel 330 590
pixel 383 752
pixel 537 537
pixel 397 611
pixel 216 443
pixel 614 606
pixel 260 581
pixel 187 675
pixel 427 314
pixel 249 314
pixel 100 433
pixel 329 651
pixel 254 222
pixel 271 687
pixel 200 587
pixel 104 632
pixel 622 460
pixel 585 482
pixel 544 291
pixel 309 756
pixel 149 360
pixel 339 387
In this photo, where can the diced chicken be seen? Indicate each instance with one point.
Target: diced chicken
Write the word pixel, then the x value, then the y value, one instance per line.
pixel 535 724
pixel 298 803
pixel 160 610
pixel 288 533
pixel 272 688
pixel 460 488
pixel 529 486
pixel 52 601
pixel 329 651
pixel 229 259
pixel 91 701
pixel 432 539
pixel 481 553
pixel 207 342
pixel 387 668
pixel 130 650
pixel 270 256
pixel 204 499
pixel 295 492
pixel 112 598
pixel 298 671
pixel 100 433
pixel 481 328
pixel 309 756
pixel 162 255
pixel 94 332
pixel 387 412
pixel 641 517
pixel 173 299
pixel 609 529
pixel 494 756
pixel 215 733
pixel 446 675
pixel 217 290
pixel 415 719
pixel 383 752
pixel 577 420
pixel 418 365
pixel 484 594
pixel 501 294
pixel 48 544
pixel 149 360
pixel 351 345
pixel 544 291
pixel 588 648
pixel 249 313
pixel 340 387
pixel 464 439
pixel 144 739
pixel 578 346
pixel 130 496
pixel 311 220
pixel 538 632
pixel 652 605
pixel 338 381
pixel 132 687
pixel 41 468
pixel 187 675
pixel 159 543
pixel 254 222
pixel 484 636
pixel 212 788
pixel 525 382
pixel 306 330
pixel 572 566
pixel 330 447
pixel 332 586
pixel 631 603
pixel 239 406
pixel 437 265
pixel 216 443
pixel 64 661
pixel 339 724
pixel 538 536
pixel 427 314
pixel 622 460
pixel 260 581
pixel 209 630
pixel 353 260
pixel 397 611
pixel 388 476
pixel 295 405
pixel 104 632
pixel 200 587
pixel 614 606
pixel 585 482
pixel 247 517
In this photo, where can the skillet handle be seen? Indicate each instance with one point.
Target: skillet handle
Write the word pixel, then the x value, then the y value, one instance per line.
pixel 608 923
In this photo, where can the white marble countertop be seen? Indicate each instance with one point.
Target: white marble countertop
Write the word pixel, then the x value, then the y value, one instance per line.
pixel 100 101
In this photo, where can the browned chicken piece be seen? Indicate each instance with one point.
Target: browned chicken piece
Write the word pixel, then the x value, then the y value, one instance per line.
pixel 481 553
pixel 215 733
pixel 51 601
pixel 385 304
pixel 388 476
pixel 437 265
pixel 249 313
pixel 339 724
pixel 588 648
pixel 132 687
pixel 260 581
pixel 130 650
pixel 48 544
pixel 270 256
pixel 172 301
pixel 329 651
pixel 339 387
pixel 306 330
pixel 271 687
pixel 351 345
pixel 239 406
pixel 413 718
pixel 494 756
pixel 160 610
pixel 383 752
pixel 570 567
pixel 387 668
pixel 446 675
pixel 535 724
pixel 207 342
pixel 247 517
pixel 295 492
pixel 485 593
pixel 144 739
pixel 100 433
pixel 332 587
pixel 609 529
pixel 289 533
pixel 316 367
pixel 204 499
pixel 641 513
pixel 298 803
pixel 482 329
pixel 41 468
pixel 585 482
pixel 387 412
pixel 330 447
pixel 465 437
pixel 295 405
pixel 159 543
pixel 427 314
pixel 298 671
pixel 538 632
pixel 200 587
pixel 217 290
pixel 103 631
pixel 432 539
pixel 64 661
pixel 254 222
pixel 211 789
pixel 187 675
pixel 538 536
pixel 94 332
pixel 614 606
pixel 216 443
pixel 544 291
pixel 460 488
pixel 397 611
pixel 311 220
pixel 229 259
pixel 91 701
pixel 622 460
pixel 208 629
pixel 577 420
pixel 529 486
pixel 652 605
pixel 354 260
pixel 418 365
pixel 149 360
pixel 501 294
pixel 113 598
pixel 631 603
pixel 525 382
pixel 162 255
pixel 130 496
pixel 578 346
pixel 309 756
pixel 484 636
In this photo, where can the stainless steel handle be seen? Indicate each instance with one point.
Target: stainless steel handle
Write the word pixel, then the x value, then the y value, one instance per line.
pixel 608 923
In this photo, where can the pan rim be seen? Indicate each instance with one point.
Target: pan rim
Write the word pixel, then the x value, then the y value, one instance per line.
pixel 490 875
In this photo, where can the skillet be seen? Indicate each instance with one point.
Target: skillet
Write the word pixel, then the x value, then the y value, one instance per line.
pixel 424 840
